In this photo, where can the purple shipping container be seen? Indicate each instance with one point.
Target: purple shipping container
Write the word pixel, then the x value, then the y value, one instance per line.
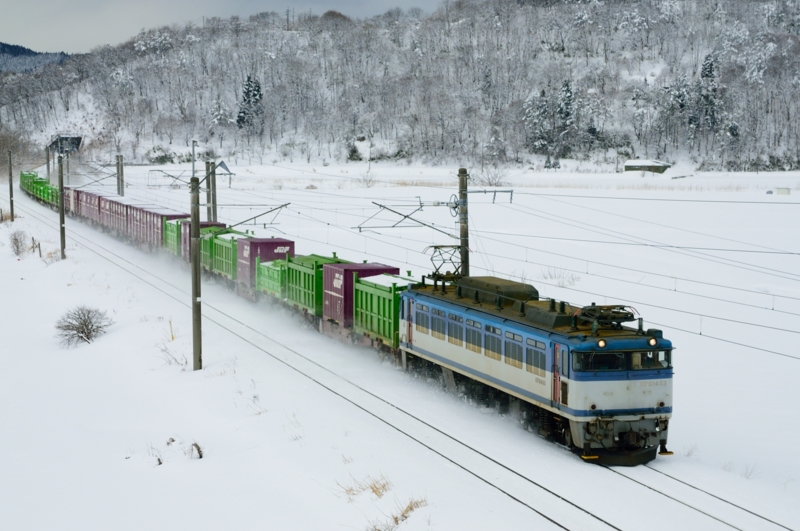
pixel 267 249
pixel 114 212
pixel 337 281
pixel 186 227
pixel 75 201
pixel 154 222
pixel 106 212
pixel 71 200
pixel 136 223
pixel 89 204
pixel 146 224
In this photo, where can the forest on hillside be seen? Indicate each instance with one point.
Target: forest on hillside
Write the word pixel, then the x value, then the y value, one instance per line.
pixel 15 58
pixel 495 81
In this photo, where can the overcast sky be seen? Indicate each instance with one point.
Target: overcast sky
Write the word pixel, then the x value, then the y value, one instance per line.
pixel 76 26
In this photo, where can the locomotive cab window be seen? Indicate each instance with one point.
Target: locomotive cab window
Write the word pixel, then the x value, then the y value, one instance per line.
pixel 598 361
pixel 657 359
pixel 621 361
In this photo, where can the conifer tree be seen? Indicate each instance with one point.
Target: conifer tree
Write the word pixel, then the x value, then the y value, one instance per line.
pixel 537 117
pixel 250 109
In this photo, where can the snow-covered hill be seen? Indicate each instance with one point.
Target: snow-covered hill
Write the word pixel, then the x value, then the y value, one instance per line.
pixel 496 82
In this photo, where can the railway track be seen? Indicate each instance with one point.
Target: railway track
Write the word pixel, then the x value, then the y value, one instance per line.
pixel 549 505
pixel 727 512
pixel 718 498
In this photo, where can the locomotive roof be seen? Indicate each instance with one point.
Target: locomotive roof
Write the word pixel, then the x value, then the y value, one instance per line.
pixel 545 314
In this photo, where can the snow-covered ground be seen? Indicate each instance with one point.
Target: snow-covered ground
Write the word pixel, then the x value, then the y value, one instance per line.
pixel 708 258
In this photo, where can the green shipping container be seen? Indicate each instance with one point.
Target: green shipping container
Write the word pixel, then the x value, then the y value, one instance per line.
pixel 225 252
pixel 172 236
pixel 207 246
pixel 376 306
pixel 271 277
pixel 38 187
pixel 304 281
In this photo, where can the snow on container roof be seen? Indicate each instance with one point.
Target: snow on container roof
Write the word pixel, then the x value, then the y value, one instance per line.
pixel 387 279
pixel 129 201
pixel 337 281
pixel 232 236
pixel 94 191
pixel 161 211
pixel 655 166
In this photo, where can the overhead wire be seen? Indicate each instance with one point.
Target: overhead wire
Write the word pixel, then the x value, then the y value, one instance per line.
pixel 719 260
pixel 649 222
pixel 316 207
pixel 665 308
pixel 637 244
pixel 672 327
pixel 645 304
pixel 602 295
pixel 660 199
pixel 667 276
pixel 690 280
pixel 624 281
pixel 725 319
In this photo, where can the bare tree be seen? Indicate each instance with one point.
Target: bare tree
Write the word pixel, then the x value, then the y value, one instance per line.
pixel 82 324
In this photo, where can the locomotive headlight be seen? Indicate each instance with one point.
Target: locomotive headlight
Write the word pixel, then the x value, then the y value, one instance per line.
pixel 652 342
pixel 601 343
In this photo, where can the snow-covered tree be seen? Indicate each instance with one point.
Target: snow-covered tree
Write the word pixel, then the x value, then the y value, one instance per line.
pixel 538 119
pixel 250 109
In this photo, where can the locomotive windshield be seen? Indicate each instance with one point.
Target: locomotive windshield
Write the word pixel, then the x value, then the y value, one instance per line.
pixel 621 361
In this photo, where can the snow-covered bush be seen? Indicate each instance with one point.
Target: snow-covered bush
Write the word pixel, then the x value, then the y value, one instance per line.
pixel 160 155
pixel 82 324
pixel 492 176
pixel 19 242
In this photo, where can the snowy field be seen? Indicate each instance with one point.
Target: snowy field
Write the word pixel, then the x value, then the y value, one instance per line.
pixel 286 418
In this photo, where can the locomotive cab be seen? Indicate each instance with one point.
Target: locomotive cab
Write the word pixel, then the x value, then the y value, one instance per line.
pixel 621 392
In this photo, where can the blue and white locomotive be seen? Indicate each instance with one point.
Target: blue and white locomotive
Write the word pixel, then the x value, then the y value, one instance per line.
pixel 582 378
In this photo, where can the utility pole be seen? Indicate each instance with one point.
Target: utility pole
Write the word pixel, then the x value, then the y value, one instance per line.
pixel 120 176
pixel 10 186
pixel 61 206
pixel 197 335
pixel 209 193
pixel 214 191
pixel 463 219
pixel 47 155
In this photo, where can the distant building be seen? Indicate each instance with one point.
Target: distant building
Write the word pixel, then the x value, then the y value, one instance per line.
pixel 64 143
pixel 655 166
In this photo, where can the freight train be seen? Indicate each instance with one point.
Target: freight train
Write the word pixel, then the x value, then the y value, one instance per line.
pixel 577 375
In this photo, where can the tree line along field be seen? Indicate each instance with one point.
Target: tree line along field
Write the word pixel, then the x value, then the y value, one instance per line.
pixel 495 81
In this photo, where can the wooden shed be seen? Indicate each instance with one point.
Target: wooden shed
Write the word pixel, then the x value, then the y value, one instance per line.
pixel 655 166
